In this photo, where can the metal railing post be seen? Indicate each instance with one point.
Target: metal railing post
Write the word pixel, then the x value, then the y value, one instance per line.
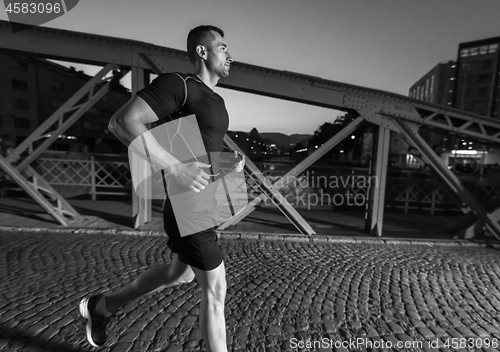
pixel 93 187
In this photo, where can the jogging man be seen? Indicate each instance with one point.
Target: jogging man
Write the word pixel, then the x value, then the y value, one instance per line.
pixel 197 255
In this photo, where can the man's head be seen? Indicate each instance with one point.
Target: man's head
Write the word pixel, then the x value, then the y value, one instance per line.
pixel 205 43
pixel 201 35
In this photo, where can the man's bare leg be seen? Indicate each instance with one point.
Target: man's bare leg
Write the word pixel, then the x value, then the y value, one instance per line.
pixel 154 279
pixel 213 294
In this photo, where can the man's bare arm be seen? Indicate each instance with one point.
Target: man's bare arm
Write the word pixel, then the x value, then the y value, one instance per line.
pixel 129 125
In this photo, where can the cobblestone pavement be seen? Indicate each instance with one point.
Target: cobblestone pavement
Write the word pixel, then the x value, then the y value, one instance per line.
pixel 280 295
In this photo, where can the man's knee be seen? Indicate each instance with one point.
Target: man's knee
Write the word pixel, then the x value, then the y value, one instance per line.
pixel 213 283
pixel 215 295
pixel 215 291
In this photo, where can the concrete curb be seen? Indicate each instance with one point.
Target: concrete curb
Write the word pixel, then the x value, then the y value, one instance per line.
pixel 228 235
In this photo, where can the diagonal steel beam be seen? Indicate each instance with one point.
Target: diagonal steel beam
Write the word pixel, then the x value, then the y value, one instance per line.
pixel 293 173
pixel 57 118
pixel 33 191
pixel 440 167
pixel 270 191
pixel 62 204
pixel 40 190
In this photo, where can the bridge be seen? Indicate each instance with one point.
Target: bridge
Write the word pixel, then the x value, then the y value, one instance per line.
pixel 388 112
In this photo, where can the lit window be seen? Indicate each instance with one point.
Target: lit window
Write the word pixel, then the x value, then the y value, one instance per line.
pixel 483 49
pixel 492 48
pixel 474 51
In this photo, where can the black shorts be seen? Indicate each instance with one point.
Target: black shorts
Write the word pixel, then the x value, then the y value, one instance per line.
pixel 200 250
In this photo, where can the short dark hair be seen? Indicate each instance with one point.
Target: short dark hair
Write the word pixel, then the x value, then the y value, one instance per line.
pixel 198 36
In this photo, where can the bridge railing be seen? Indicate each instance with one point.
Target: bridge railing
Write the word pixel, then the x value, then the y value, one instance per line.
pixel 339 188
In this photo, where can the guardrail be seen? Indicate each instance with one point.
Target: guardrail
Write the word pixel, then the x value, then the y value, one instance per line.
pixel 318 187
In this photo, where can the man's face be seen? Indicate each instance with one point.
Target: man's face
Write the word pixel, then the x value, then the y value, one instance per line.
pixel 218 57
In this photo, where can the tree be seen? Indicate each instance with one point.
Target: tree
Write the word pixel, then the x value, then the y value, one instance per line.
pixel 254 133
pixel 298 146
pixel 327 130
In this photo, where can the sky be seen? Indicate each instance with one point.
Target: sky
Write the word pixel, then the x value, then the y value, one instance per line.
pixel 381 44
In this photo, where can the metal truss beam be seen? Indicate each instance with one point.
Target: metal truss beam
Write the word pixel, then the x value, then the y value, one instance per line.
pixel 399 117
pixel 377 191
pixel 96 49
pixel 57 124
pixel 370 103
pixel 272 193
pixel 39 189
pixel 62 212
pixel 484 129
pixel 293 173
pixel 440 167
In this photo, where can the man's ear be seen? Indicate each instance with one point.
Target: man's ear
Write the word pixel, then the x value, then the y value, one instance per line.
pixel 201 51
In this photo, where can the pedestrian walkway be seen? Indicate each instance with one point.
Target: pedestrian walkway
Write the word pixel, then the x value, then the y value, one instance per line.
pixel 117 214
pixel 282 295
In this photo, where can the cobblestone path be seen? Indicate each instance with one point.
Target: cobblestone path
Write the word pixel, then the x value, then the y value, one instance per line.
pixel 282 295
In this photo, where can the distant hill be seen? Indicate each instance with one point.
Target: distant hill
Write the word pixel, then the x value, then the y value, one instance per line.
pixel 283 141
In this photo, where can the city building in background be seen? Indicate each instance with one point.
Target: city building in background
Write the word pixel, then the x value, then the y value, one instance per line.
pixel 477 87
pixel 470 83
pixel 254 145
pixel 436 87
pixel 32 89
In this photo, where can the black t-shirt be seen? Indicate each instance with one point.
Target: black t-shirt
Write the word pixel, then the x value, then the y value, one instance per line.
pixel 168 98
